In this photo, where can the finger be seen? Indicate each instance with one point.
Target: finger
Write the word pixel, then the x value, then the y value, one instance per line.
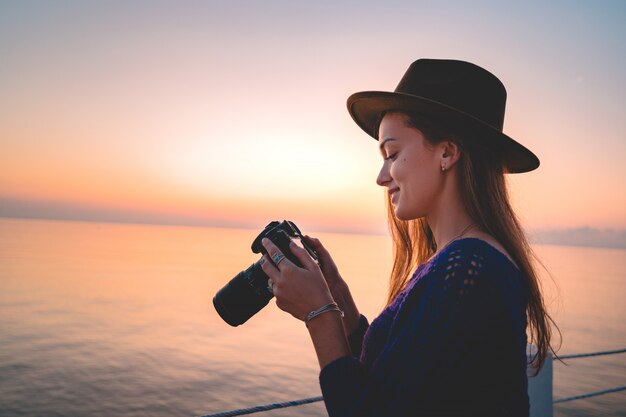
pixel 303 256
pixel 270 269
pixel 278 258
pixel 321 251
pixel 315 242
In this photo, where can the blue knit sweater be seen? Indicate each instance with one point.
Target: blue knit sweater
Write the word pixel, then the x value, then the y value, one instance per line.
pixel 453 343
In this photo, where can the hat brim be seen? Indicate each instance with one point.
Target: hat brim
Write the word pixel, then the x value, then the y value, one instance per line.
pixel 367 107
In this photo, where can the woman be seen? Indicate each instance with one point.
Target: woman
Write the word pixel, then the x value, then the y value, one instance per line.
pixel 452 339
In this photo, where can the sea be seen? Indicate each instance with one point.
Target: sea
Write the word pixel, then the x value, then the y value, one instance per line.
pixel 100 319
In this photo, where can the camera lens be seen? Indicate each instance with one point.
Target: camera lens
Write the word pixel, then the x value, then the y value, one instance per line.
pixel 244 296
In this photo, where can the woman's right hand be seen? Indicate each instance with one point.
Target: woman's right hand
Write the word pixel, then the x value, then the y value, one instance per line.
pixel 338 287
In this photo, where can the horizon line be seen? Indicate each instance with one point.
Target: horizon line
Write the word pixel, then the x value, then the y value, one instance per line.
pixel 582 236
pixel 179 222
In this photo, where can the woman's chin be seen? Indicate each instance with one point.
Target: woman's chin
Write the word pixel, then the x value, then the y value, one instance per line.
pixel 400 215
pixel 405 215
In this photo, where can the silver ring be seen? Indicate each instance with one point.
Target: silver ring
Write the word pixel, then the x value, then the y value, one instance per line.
pixel 278 258
pixel 270 286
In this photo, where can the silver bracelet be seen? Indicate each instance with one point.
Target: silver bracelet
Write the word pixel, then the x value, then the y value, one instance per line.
pixel 322 310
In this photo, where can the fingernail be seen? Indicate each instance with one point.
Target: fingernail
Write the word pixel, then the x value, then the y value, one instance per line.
pixel 262 261
pixel 292 244
pixel 264 240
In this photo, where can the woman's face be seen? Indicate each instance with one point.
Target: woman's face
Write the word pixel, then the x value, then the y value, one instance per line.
pixel 411 169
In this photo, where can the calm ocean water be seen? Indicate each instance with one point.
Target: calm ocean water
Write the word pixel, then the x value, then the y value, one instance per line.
pixel 108 320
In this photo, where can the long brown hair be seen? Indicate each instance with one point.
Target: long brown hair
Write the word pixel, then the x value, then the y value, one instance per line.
pixel 479 171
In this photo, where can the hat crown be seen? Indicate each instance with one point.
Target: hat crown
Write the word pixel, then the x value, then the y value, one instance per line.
pixel 465 97
pixel 457 84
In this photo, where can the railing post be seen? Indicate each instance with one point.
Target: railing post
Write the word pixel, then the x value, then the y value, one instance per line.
pixel 540 386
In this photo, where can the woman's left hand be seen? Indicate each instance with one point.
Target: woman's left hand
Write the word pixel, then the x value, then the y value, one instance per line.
pixel 298 291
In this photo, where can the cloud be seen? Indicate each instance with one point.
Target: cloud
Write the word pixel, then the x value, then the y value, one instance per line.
pixel 72 211
pixel 583 236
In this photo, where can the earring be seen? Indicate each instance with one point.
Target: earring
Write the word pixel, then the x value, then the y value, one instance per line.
pixel 443 167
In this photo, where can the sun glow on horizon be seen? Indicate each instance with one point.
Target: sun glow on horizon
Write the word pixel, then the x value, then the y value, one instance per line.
pixel 205 112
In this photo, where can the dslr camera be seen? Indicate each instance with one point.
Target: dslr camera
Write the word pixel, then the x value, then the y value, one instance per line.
pixel 247 293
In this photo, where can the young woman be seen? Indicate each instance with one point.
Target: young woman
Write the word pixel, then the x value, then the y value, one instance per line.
pixel 463 289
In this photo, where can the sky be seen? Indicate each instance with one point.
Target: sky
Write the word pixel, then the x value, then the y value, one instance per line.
pixel 233 113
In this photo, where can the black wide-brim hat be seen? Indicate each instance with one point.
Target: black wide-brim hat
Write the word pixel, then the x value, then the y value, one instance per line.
pixel 464 96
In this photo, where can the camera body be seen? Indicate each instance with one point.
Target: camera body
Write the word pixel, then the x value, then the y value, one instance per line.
pixel 247 293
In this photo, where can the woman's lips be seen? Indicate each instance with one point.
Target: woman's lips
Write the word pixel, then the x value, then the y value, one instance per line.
pixel 393 193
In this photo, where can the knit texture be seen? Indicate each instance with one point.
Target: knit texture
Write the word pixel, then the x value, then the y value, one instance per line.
pixel 453 343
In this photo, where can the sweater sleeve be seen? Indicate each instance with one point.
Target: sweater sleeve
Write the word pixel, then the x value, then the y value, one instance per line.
pixel 436 361
pixel 355 339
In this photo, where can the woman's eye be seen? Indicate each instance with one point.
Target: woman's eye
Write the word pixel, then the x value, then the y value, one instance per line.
pixel 391 156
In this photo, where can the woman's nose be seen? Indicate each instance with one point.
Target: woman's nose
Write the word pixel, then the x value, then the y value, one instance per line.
pixel 383 176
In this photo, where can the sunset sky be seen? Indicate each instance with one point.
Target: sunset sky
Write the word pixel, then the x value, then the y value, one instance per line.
pixel 233 112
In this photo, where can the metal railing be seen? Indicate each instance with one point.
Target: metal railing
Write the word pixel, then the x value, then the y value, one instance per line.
pixel 268 407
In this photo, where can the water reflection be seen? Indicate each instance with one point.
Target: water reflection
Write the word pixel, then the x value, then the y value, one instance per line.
pixel 103 319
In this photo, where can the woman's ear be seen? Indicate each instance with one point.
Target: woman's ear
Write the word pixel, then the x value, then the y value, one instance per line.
pixel 450 154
